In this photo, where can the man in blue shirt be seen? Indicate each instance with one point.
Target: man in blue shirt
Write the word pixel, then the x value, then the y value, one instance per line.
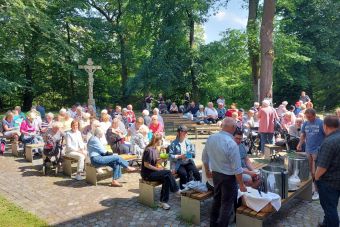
pixel 249 176
pixel 222 163
pixel 221 111
pixel 312 134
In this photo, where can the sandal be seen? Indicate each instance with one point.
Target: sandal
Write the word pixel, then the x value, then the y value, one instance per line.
pixel 116 185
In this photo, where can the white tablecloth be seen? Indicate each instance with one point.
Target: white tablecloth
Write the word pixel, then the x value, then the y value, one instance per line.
pixel 256 202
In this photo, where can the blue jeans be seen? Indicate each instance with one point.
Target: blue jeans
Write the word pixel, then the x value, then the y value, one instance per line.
pixel 114 161
pixel 266 138
pixel 329 199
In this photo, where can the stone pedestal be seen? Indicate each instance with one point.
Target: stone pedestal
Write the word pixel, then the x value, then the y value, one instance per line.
pixel 269 150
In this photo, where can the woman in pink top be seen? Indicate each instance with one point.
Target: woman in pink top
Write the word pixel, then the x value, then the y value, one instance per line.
pixel 266 116
pixel 28 132
pixel 155 126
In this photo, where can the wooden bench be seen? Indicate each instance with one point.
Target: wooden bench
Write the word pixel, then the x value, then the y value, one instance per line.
pixel 29 150
pixel 191 205
pixel 182 121
pixel 191 201
pixel 258 165
pixel 270 148
pixel 93 175
pixel 248 217
pixel 169 116
pixel 209 128
pixel 147 188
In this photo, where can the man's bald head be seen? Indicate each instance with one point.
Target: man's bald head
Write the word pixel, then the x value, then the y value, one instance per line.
pixel 228 125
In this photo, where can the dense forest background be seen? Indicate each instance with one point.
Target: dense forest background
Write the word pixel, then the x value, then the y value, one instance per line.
pixel 158 46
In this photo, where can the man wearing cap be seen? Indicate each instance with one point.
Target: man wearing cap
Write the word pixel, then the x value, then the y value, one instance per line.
pixel 182 152
pixel 222 163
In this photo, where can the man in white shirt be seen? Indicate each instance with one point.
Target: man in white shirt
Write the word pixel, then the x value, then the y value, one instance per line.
pixel 222 163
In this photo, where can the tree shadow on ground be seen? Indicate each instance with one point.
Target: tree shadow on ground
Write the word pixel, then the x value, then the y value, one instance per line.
pixel 28 171
pixel 136 191
pixel 71 182
pixel 127 212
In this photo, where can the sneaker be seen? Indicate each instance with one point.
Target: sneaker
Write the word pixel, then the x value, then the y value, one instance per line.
pixel 165 206
pixel 315 196
pixel 321 224
pixel 79 177
pixel 178 194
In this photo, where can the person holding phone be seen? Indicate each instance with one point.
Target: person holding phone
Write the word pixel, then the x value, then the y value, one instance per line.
pixel 182 153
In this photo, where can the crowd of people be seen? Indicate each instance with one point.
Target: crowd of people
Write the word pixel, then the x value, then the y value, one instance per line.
pixel 98 137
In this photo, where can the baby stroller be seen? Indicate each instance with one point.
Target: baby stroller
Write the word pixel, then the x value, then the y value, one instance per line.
pixel 52 155
pixel 252 140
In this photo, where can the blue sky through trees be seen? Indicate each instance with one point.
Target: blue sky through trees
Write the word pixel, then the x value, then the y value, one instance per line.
pixel 233 16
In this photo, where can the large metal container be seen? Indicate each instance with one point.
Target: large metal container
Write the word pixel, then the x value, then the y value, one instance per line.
pixel 300 163
pixel 275 179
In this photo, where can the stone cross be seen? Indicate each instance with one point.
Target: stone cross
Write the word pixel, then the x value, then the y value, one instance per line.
pixel 90 69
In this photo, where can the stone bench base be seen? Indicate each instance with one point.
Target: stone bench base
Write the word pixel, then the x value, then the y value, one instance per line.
pixel 147 192
pixel 67 165
pixel 16 149
pixel 29 150
pixel 92 175
pixel 191 205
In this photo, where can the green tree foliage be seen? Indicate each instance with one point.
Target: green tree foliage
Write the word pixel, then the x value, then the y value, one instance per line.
pixel 310 58
pixel 158 46
pixel 225 69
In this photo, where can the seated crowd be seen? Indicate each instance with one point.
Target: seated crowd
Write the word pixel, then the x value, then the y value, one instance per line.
pixel 99 138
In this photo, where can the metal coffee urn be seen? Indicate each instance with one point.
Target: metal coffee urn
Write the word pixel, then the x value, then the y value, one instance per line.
pixel 300 163
pixel 275 180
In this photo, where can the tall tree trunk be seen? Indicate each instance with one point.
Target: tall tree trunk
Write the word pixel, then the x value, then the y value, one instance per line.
pixel 29 53
pixel 28 94
pixel 122 42
pixel 194 88
pixel 124 68
pixel 253 45
pixel 69 60
pixel 1 103
pixel 267 51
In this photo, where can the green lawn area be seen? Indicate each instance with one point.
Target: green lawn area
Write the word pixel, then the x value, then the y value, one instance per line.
pixel 12 215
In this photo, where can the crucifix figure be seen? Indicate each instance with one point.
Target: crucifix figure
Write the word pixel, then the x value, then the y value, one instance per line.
pixel 90 69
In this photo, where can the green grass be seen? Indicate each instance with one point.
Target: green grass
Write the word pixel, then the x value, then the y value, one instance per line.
pixel 14 216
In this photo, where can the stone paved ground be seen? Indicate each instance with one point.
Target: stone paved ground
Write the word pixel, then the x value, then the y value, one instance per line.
pixel 62 201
